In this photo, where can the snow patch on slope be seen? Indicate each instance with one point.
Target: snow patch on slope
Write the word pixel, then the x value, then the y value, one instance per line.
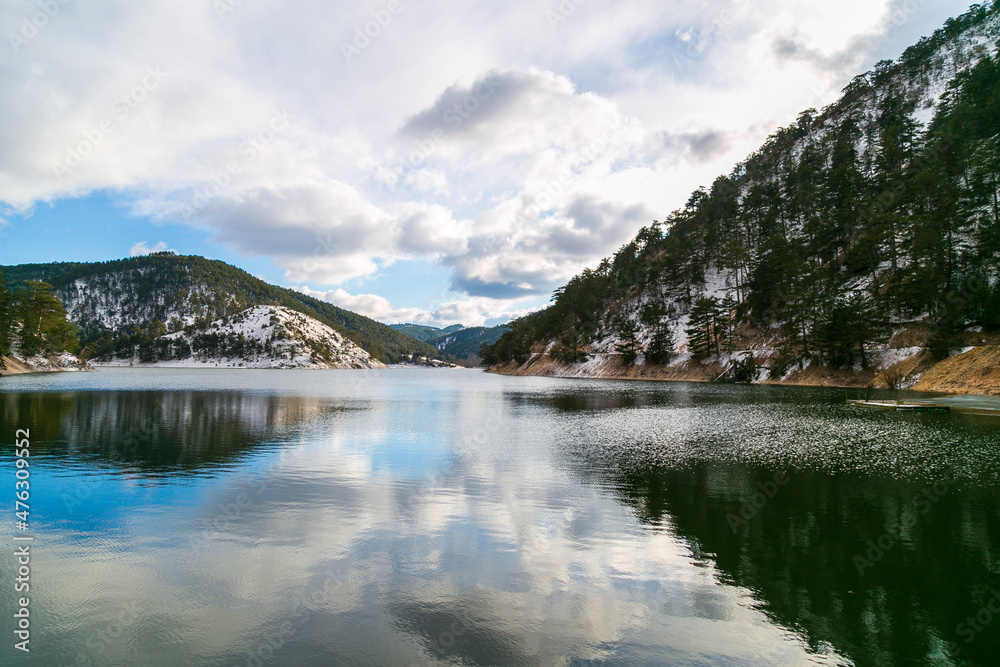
pixel 285 339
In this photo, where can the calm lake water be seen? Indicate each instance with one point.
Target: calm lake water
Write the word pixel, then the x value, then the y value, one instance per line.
pixel 438 517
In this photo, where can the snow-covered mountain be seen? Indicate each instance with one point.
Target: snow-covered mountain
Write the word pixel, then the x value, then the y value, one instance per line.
pixel 259 337
pixel 124 307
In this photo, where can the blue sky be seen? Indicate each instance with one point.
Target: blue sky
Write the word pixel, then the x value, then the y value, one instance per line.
pixel 97 227
pixel 452 166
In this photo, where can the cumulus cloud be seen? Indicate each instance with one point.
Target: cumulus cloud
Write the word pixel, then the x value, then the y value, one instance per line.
pixel 428 180
pixel 539 252
pixel 141 248
pixel 423 230
pixel 468 312
pixel 325 231
pixel 701 146
pixel 514 165
pixel 505 113
pixel 847 59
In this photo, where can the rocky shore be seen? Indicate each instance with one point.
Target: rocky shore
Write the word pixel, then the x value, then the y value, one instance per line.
pixel 58 363
pixel 975 370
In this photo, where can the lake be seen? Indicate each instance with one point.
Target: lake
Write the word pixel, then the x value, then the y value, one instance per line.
pixel 451 517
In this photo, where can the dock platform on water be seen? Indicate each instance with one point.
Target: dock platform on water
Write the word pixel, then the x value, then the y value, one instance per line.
pixel 901 406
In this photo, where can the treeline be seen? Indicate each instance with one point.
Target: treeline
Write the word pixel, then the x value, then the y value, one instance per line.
pixel 839 228
pixel 463 342
pixel 148 345
pixel 141 290
pixel 33 321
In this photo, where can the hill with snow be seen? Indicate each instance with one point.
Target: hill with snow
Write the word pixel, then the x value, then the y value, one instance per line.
pixel 859 245
pixel 259 337
pixel 123 307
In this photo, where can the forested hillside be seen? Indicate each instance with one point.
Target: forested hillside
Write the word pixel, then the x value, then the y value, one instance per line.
pixel 123 306
pixel 33 321
pixel 424 332
pixel 259 337
pixel 875 217
pixel 460 344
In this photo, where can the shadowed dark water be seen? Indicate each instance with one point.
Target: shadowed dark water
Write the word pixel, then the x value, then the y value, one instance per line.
pixel 431 517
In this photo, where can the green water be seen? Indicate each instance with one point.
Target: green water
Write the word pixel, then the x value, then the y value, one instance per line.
pixel 436 517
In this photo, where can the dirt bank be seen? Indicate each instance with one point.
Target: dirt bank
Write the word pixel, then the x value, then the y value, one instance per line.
pixel 976 371
pixel 60 363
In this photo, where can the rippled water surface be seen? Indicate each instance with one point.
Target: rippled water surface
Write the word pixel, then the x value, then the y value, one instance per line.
pixel 434 517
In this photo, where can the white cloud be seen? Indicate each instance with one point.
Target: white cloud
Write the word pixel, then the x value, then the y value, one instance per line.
pixel 535 153
pixel 427 180
pixel 323 231
pixel 503 113
pixel 141 248
pixel 468 312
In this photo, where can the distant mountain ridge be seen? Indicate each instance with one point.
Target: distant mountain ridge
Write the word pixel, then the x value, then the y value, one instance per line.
pixel 457 341
pixel 464 342
pixel 424 332
pixel 123 307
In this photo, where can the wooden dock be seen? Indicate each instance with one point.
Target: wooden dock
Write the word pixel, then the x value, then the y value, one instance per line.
pixel 901 406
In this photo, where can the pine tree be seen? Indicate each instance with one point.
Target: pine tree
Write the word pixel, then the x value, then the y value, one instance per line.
pixel 844 328
pixel 845 189
pixel 897 140
pixel 487 357
pixel 628 341
pixel 703 327
pixel 44 327
pixel 728 319
pixel 6 317
pixel 652 313
pixel 570 350
pixel 745 370
pixel 661 347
